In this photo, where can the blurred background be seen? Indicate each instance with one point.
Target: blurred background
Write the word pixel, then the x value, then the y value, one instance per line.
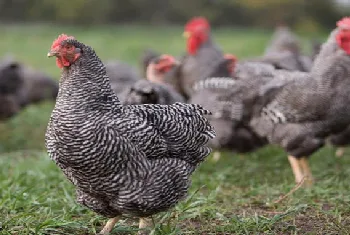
pixel 120 29
pixel 308 15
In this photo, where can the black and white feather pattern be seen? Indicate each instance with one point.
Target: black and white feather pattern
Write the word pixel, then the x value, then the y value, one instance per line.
pixel 133 159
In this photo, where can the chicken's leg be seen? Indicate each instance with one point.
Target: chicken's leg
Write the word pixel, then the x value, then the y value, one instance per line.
pixel 144 223
pixel 297 171
pixel 340 152
pixel 306 171
pixel 216 156
pixel 109 226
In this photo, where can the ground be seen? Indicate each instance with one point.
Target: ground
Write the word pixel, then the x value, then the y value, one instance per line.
pixel 236 195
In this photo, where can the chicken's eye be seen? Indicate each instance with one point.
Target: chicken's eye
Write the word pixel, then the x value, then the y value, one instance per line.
pixel 68 47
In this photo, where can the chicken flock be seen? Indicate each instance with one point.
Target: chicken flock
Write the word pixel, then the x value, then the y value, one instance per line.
pixel 130 140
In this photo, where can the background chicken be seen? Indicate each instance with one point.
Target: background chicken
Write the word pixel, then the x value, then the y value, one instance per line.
pixel 154 90
pixel 131 159
pixel 300 114
pixel 21 85
pixel 284 52
pixel 202 58
pixel 122 76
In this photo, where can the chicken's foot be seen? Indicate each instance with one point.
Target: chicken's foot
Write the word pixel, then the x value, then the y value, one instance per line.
pixel 340 152
pixel 144 225
pixel 109 226
pixel 216 156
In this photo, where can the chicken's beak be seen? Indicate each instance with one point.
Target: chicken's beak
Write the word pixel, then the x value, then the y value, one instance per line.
pixel 186 34
pixel 52 53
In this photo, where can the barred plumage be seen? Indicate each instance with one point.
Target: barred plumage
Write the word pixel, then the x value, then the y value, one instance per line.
pixel 299 114
pixel 122 159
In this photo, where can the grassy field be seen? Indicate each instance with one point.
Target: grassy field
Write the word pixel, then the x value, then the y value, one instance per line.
pixel 236 195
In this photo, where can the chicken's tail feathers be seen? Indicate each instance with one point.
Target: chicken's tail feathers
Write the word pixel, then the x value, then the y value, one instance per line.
pixel 196 147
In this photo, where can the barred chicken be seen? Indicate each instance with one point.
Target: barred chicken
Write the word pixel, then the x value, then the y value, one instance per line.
pixel 301 113
pixel 155 90
pixel 123 160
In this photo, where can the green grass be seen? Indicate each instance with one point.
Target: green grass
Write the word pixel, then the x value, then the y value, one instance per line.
pixel 235 195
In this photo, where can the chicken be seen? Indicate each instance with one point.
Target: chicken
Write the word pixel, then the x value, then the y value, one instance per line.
pixel 28 85
pixel 123 160
pixel 300 114
pixel 122 76
pixel 284 52
pixel 202 57
pixel 155 90
pixel 21 85
pixel 231 100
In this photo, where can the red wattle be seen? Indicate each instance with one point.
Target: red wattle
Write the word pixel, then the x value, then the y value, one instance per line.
pixel 193 44
pixel 343 40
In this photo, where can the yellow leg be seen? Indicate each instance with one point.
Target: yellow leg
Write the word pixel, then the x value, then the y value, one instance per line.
pixel 216 156
pixel 306 171
pixel 340 152
pixel 109 226
pixel 297 171
pixel 144 224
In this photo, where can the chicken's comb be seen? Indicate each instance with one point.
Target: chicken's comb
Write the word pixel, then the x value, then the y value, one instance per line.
pixel 198 21
pixel 344 23
pixel 60 38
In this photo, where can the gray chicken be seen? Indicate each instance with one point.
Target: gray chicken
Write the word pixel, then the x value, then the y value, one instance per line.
pixel 21 85
pixel 284 52
pixel 301 113
pixel 154 90
pixel 133 159
pixel 122 76
pixel 202 57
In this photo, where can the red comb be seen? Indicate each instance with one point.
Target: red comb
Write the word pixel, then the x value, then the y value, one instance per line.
pixel 344 23
pixel 60 38
pixel 197 21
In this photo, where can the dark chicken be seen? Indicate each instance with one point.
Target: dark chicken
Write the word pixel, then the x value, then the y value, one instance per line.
pixel 21 85
pixel 134 159
pixel 155 90
pixel 122 76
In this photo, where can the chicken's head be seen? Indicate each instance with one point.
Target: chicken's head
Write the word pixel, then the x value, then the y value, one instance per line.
pixel 232 62
pixel 65 52
pixel 343 36
pixel 159 66
pixel 197 32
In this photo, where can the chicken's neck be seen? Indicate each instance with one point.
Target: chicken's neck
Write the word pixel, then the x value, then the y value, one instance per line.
pixel 85 86
pixel 332 63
